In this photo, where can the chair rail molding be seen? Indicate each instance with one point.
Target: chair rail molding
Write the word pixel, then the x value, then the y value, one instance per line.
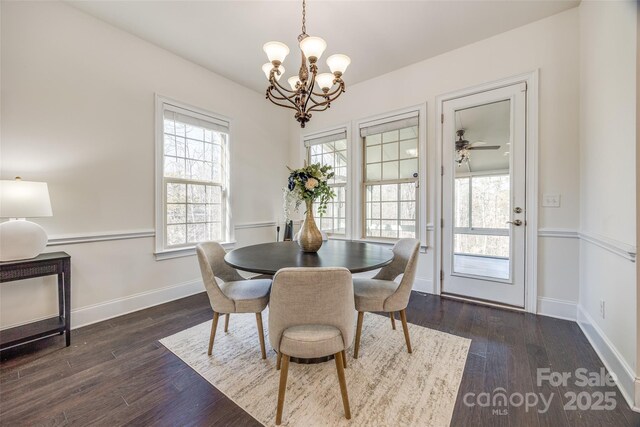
pixel 616 247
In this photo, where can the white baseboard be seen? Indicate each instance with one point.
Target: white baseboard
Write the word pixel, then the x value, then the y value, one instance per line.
pixel 107 310
pixel 610 356
pixel 560 309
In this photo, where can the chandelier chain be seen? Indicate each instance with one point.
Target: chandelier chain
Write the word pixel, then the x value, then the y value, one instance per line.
pixel 304 17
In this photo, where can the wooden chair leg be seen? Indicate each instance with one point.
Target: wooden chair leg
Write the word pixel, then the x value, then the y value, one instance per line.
pixel 283 387
pixel 261 334
pixel 393 320
pixel 343 385
pixel 358 332
pixel 344 358
pixel 226 322
pixel 214 326
pixel 403 317
pixel 279 361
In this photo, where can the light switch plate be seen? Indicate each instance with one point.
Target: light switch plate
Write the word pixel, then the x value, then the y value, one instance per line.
pixel 551 200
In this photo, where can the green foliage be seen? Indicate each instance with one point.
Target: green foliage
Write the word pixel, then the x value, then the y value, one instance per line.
pixel 310 184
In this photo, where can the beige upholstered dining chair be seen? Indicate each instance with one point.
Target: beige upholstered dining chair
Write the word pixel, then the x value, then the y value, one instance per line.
pixel 235 294
pixel 382 293
pixel 311 315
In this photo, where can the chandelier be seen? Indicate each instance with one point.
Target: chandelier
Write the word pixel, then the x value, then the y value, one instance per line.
pixel 309 91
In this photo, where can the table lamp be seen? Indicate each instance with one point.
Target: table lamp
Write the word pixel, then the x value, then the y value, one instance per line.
pixel 19 238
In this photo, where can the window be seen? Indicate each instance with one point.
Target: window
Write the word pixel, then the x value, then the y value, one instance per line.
pixel 194 170
pixel 390 153
pixel 332 150
pixel 482 208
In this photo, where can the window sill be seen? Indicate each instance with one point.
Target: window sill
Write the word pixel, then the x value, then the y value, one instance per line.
pixel 186 251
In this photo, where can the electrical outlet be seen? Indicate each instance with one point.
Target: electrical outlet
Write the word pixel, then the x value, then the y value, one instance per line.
pixel 551 200
pixel 602 308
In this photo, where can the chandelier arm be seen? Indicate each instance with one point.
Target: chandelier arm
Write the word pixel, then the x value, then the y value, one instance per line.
pixel 337 91
pixel 312 84
pixel 326 106
pixel 274 82
pixel 282 98
pixel 277 88
pixel 270 98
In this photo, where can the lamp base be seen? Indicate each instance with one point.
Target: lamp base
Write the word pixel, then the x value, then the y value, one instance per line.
pixel 21 239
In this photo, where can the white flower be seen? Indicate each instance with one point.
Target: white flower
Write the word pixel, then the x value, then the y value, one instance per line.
pixel 311 184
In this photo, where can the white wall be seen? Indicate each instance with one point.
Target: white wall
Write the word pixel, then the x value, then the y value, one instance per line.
pixel 550 45
pixel 78 113
pixel 608 116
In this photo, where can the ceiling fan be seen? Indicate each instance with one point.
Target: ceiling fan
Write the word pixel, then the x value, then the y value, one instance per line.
pixel 463 144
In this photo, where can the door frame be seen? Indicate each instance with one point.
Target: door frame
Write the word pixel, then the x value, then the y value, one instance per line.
pixel 531 177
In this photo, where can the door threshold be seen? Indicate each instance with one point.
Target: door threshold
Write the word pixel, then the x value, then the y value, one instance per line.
pixel 479 301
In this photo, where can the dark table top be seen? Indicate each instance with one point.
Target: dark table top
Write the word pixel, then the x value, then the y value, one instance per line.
pixel 267 258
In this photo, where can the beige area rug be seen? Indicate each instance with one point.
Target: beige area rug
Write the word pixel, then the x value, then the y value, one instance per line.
pixel 387 386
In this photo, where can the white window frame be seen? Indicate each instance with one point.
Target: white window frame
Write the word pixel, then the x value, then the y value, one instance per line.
pixel 161 251
pixel 349 184
pixel 357 158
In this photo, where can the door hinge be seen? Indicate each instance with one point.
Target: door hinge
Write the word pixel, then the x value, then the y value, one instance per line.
pixel 441 275
pixel 525 87
pixel 441 222
pixel 442 118
pixel 441 170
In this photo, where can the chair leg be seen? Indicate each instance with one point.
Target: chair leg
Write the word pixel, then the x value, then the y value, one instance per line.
pixel 214 326
pixel 403 317
pixel 393 320
pixel 283 387
pixel 344 358
pixel 343 385
pixel 278 362
pixel 261 334
pixel 358 332
pixel 226 322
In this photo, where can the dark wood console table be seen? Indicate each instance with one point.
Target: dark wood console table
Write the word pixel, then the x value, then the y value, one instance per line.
pixel 58 263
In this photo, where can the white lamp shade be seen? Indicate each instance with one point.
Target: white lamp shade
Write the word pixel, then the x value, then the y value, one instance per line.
pixel 338 63
pixel 276 51
pixel 24 199
pixel 313 47
pixel 325 80
pixel 293 81
pixel 267 70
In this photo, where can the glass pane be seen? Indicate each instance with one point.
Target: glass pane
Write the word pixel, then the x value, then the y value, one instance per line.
pixel 408 149
pixel 407 229
pixel 214 213
pixel 197 233
pixel 373 193
pixel 176 214
pixel 214 230
pixel 390 151
pixel 390 170
pixel 214 194
pixel 373 154
pixel 169 125
pixel 482 191
pixel 176 193
pixel 408 168
pixel 176 235
pixel 389 229
pixel 174 167
pixel 375 210
pixel 389 210
pixel 408 210
pixel 374 172
pixel 389 192
pixel 341 144
pixel 461 202
pixel 195 149
pixel 390 136
pixel 408 133
pixel 490 201
pixel 408 191
pixel 169 145
pixel 373 139
pixel 196 213
pixel 195 132
pixel 196 193
pixel 373 228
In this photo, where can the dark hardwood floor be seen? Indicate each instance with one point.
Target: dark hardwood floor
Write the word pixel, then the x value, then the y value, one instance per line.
pixel 117 373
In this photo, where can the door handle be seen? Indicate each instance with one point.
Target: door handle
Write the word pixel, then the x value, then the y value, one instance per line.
pixel 516 222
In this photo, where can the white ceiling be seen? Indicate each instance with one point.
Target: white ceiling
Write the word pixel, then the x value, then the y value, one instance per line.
pixel 380 36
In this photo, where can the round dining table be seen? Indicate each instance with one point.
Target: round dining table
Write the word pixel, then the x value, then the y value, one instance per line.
pixel 268 258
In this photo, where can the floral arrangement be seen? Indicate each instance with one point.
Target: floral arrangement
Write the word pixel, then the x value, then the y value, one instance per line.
pixel 308 184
